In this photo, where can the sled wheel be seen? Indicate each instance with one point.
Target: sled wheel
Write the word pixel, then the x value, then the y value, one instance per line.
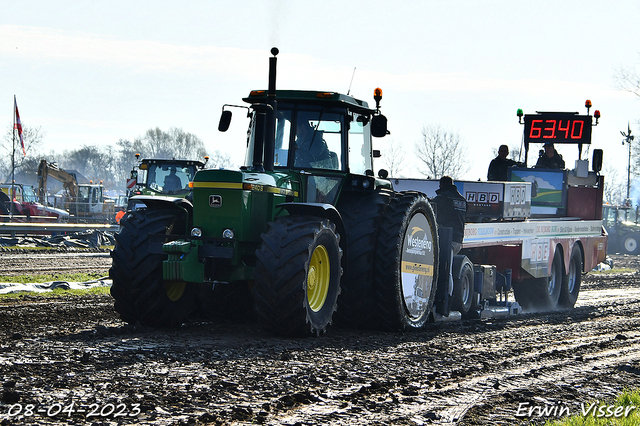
pixel 464 296
pixel 541 294
pixel 297 275
pixel 571 282
pixel 406 269
pixel 140 293
pixel 361 216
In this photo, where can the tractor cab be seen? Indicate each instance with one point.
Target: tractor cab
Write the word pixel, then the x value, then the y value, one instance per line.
pixel 322 137
pixel 164 176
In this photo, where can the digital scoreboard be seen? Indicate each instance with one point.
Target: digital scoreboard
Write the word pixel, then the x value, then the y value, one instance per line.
pixel 557 127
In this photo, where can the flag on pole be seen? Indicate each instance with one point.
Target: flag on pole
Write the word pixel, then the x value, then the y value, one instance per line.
pixel 18 125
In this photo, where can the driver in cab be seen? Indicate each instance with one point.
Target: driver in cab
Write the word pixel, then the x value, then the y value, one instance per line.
pixel 311 149
pixel 171 181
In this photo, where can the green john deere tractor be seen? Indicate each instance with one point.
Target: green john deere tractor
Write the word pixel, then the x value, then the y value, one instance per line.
pixel 302 235
pixel 153 176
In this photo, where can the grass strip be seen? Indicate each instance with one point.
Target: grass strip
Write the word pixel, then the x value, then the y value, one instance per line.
pixel 624 411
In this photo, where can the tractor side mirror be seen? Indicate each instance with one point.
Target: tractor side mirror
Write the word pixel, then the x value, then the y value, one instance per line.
pixel 225 120
pixel 376 153
pixel 597 160
pixel 379 126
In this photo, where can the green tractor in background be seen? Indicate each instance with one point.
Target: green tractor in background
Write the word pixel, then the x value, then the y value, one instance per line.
pixel 151 176
pixel 301 236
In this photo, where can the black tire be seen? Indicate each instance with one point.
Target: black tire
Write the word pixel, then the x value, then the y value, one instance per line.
pixel 464 296
pixel 405 298
pixel 140 293
pixel 297 275
pixel 361 216
pixel 541 294
pixel 630 244
pixel 573 279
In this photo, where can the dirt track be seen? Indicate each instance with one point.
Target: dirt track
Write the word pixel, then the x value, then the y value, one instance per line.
pixel 76 351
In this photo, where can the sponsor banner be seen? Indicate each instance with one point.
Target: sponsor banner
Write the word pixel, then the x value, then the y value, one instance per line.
pixel 516 231
pixel 417 268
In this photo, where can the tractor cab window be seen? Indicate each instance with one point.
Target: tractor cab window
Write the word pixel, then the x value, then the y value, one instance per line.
pixel 169 178
pixel 283 134
pixel 359 145
pixel 312 136
pixel 318 140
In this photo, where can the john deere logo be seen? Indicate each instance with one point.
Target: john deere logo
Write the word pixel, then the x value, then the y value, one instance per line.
pixel 215 201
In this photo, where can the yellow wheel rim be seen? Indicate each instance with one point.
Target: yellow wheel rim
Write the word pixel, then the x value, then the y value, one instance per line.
pixel 174 289
pixel 318 278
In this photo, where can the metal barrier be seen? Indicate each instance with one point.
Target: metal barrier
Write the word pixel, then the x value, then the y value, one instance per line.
pixel 42 228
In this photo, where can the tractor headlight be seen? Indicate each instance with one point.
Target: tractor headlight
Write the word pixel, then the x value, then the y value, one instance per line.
pixel 228 234
pixel 196 232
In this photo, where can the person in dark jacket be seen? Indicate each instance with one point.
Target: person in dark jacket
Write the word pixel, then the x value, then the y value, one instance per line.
pixel 451 210
pixel 499 166
pixel 550 159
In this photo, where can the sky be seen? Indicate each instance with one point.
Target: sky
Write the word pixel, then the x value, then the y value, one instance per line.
pixel 94 72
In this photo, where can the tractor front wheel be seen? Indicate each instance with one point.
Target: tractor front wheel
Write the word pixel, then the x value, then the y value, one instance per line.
pixel 140 293
pixel 297 275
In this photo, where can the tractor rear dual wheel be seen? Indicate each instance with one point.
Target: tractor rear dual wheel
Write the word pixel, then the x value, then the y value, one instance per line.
pixel 361 216
pixel 630 244
pixel 297 275
pixel 140 293
pixel 406 265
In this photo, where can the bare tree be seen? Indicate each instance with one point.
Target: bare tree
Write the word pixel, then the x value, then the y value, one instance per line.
pixel 175 143
pixel 32 137
pixel 442 153
pixel 219 160
pixel 628 79
pixel 94 162
pixel 615 186
pixel 393 158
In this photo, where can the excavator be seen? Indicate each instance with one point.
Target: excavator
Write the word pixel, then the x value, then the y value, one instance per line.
pixel 84 202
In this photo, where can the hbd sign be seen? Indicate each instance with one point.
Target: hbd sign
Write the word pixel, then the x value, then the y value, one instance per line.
pixel 483 197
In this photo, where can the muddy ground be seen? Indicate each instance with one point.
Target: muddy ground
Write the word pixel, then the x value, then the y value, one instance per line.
pixel 72 361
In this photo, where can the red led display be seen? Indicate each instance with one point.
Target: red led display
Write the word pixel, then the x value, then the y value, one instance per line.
pixel 554 127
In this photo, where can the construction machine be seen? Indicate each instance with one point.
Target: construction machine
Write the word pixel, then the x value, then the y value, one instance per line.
pixel 84 202
pixel 19 203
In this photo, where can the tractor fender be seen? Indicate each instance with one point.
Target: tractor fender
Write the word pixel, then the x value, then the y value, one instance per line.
pixel 162 202
pixel 183 207
pixel 327 211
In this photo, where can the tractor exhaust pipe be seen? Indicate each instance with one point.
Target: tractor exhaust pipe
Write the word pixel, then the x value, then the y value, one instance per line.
pixel 270 131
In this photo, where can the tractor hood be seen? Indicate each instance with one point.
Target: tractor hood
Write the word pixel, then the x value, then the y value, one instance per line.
pixel 275 183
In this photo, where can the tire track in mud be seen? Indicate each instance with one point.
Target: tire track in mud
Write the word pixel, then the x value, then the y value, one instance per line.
pixel 466 373
pixel 47 263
